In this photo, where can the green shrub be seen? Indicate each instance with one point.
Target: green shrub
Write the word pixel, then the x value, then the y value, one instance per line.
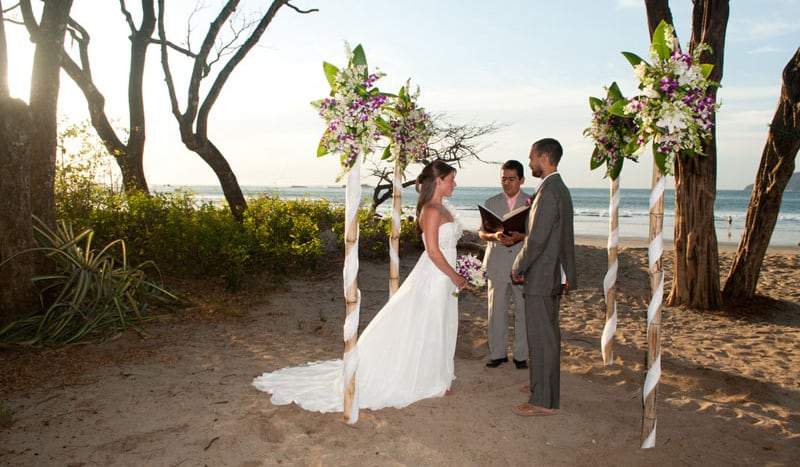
pixel 288 233
pixel 188 238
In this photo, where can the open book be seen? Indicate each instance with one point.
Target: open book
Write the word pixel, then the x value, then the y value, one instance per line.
pixel 513 221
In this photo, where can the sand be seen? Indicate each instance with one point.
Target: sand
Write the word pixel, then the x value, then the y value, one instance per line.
pixel 728 395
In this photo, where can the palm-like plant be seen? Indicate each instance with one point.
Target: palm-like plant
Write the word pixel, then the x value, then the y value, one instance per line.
pixel 91 293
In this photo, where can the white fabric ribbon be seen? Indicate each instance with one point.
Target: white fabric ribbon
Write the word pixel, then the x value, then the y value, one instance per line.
pixel 350 273
pixel 610 327
pixel 394 255
pixel 654 251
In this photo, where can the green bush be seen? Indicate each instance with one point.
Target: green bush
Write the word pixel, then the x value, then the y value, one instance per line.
pixel 187 238
pixel 287 233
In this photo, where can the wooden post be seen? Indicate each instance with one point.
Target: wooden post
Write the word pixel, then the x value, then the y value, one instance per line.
pixel 654 253
pixel 610 280
pixel 352 295
pixel 394 240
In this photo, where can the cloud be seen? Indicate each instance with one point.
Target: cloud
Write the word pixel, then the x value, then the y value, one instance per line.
pixel 629 3
pixel 765 49
pixel 764 28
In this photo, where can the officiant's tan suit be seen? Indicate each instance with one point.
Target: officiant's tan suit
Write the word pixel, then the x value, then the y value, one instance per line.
pixel 547 263
pixel 498 260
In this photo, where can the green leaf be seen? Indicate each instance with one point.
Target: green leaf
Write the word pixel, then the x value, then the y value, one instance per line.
pixel 660 41
pixel 593 162
pixel 321 149
pixel 383 125
pixel 330 73
pixel 661 162
pixel 614 92
pixel 616 169
pixel 633 59
pixel 595 103
pixel 387 153
pixel 631 148
pixel 360 58
pixel 618 108
pixel 705 69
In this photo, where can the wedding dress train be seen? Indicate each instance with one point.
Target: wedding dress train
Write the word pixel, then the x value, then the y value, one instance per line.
pixel 405 354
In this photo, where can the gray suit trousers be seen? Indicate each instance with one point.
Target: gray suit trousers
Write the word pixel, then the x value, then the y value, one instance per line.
pixel 499 293
pixel 544 342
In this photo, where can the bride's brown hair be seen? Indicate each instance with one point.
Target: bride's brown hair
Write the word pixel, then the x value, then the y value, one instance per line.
pixel 426 182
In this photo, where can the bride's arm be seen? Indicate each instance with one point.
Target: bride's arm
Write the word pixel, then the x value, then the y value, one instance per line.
pixel 430 220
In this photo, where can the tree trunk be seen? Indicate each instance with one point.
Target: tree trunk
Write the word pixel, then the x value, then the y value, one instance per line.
pixel 4 90
pixel 45 84
pixel 696 270
pixel 774 171
pixel 227 179
pixel 193 121
pixel 129 156
pixel 657 11
pixel 133 166
pixel 17 298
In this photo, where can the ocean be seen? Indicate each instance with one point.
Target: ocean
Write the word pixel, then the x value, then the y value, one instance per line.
pixel 590 204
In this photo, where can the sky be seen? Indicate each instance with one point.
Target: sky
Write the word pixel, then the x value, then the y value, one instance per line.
pixel 528 66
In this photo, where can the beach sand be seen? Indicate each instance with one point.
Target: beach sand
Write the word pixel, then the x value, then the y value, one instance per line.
pixel 728 395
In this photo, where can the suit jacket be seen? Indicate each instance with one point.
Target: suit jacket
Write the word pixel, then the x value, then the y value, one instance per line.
pixel 499 258
pixel 550 243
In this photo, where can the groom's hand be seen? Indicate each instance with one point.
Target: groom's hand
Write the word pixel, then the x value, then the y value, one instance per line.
pixel 515 279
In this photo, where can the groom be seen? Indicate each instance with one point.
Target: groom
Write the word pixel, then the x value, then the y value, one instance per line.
pixel 546 266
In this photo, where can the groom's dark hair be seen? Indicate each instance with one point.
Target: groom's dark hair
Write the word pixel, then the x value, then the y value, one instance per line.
pixel 550 148
pixel 514 165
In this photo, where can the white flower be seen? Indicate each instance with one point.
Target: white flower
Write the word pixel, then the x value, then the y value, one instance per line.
pixel 651 93
pixel 673 120
pixel 639 70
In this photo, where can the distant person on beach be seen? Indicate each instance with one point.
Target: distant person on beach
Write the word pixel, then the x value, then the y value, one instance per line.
pixel 546 266
pixel 407 352
pixel 501 249
pixel 730 221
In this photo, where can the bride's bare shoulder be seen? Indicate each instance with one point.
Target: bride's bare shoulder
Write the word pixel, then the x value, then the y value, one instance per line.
pixel 435 213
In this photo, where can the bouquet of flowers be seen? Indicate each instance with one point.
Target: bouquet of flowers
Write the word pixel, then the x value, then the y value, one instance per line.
pixel 409 128
pixel 675 110
pixel 352 111
pixel 471 267
pixel 615 135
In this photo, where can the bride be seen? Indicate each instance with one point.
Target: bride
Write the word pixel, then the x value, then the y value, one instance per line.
pixel 406 352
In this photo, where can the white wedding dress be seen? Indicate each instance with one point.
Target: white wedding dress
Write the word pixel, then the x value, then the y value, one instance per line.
pixel 405 354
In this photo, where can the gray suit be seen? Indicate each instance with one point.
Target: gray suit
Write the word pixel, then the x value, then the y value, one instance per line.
pixel 548 249
pixel 498 261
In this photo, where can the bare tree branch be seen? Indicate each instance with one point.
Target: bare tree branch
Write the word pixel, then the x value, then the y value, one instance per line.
pixel 453 143
pixel 311 10
pixel 128 16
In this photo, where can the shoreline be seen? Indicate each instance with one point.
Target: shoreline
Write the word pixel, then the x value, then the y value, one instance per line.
pixel 601 241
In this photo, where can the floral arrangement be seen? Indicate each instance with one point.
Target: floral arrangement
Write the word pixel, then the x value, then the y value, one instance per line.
pixel 409 128
pixel 471 267
pixel 675 110
pixel 616 137
pixel 352 111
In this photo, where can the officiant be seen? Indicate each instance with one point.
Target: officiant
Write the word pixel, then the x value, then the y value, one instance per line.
pixel 501 249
